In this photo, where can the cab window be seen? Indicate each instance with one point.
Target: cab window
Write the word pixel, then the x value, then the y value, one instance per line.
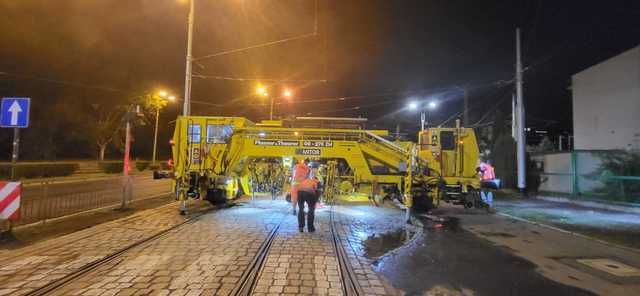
pixel 218 134
pixel 447 140
pixel 194 133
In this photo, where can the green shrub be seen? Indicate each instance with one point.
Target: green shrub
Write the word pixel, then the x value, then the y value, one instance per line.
pixel 142 165
pixel 160 166
pixel 26 171
pixel 618 164
pixel 111 167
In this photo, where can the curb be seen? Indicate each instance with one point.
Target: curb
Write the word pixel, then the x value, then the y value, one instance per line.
pixel 591 204
pixel 637 251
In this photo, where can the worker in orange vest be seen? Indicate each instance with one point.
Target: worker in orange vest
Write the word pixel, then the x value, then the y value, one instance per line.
pixel 300 173
pixel 308 192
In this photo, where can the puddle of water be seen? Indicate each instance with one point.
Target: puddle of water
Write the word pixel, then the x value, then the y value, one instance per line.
pixel 377 245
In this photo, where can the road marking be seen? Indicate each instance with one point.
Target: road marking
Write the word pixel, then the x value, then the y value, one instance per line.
pixel 570 232
pixel 611 266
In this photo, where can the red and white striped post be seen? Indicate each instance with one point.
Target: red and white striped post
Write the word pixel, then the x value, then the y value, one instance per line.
pixel 10 193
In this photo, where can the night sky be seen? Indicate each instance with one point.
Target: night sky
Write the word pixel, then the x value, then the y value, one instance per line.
pixel 375 55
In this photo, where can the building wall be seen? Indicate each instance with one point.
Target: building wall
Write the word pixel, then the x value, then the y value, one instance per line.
pixel 606 104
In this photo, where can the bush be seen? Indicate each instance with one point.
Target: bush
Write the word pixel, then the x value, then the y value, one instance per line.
pixel 111 167
pixel 26 171
pixel 160 166
pixel 142 165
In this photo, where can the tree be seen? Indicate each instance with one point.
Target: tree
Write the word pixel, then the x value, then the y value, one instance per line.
pixel 503 156
pixel 106 125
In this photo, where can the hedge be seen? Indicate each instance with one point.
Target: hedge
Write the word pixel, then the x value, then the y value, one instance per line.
pixel 111 167
pixel 26 171
pixel 142 165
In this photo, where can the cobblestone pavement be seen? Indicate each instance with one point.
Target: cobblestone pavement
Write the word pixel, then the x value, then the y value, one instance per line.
pixel 25 269
pixel 301 263
pixel 206 257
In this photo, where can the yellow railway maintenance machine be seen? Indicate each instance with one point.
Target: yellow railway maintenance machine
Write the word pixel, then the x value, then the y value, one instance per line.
pixel 216 158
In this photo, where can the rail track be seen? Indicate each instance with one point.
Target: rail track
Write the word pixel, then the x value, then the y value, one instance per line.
pixel 63 281
pixel 350 285
pixel 249 278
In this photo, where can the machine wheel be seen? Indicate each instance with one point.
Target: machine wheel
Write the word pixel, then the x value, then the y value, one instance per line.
pixel 216 196
pixel 240 191
pixel 422 201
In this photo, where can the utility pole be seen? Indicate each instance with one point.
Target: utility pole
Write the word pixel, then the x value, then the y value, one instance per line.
pixel 465 118
pixel 521 156
pixel 186 110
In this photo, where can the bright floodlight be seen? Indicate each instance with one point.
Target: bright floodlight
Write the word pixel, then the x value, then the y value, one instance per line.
pixel 433 105
pixel 171 98
pixel 162 93
pixel 413 105
pixel 287 93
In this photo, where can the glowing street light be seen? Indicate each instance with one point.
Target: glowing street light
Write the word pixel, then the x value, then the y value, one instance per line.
pixel 413 106
pixel 162 94
pixel 172 98
pixel 261 91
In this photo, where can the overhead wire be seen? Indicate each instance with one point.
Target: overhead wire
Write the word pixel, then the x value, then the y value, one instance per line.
pixel 265 44
pixel 63 82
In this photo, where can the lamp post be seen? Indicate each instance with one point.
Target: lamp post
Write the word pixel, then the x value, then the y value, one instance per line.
pixel 158 101
pixel 186 109
pixel 262 91
pixel 423 111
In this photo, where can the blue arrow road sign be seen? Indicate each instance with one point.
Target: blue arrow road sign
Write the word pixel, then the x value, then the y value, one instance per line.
pixel 15 112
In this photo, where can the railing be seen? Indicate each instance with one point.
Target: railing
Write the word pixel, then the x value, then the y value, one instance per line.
pixel 51 199
pixel 612 175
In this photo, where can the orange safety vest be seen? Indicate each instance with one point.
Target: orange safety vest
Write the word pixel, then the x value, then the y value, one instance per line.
pixel 309 185
pixel 300 172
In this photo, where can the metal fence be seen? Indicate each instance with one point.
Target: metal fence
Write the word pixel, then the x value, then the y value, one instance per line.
pixel 51 199
pixel 606 175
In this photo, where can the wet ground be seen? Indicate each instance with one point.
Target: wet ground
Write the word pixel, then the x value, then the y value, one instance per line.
pixel 469 252
pixel 444 259
pixel 617 227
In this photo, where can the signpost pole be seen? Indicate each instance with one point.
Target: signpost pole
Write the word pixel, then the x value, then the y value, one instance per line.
pixel 14 154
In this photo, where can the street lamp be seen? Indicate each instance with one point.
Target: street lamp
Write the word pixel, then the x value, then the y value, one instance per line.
pixel 262 91
pixel 423 111
pixel 286 93
pixel 158 101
